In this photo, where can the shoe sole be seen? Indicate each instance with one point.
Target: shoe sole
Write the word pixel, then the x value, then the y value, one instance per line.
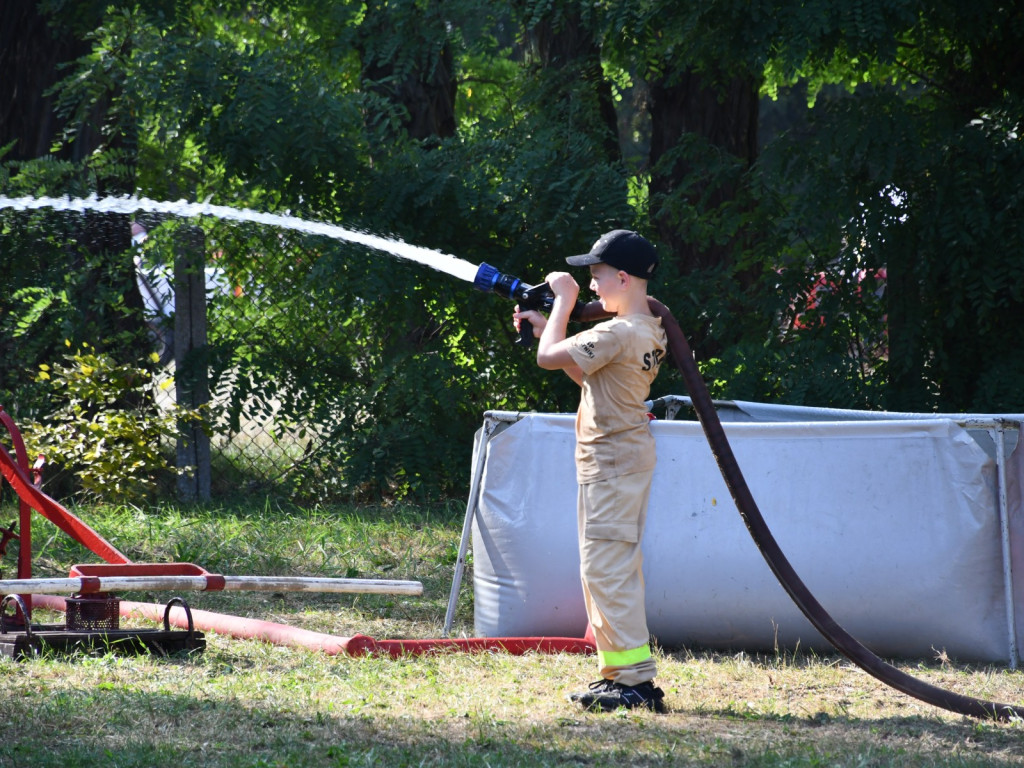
pixel 599 706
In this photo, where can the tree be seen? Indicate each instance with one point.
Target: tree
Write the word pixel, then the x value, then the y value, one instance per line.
pixel 408 59
pixel 910 174
pixel 862 256
pixel 563 49
pixel 856 188
pixel 90 143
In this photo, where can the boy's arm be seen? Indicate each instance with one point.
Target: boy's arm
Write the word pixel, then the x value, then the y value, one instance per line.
pixel 539 323
pixel 553 348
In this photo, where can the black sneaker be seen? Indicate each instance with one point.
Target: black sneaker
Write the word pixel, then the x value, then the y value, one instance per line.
pixel 607 696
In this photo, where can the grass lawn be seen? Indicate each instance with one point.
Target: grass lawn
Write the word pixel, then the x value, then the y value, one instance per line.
pixel 246 703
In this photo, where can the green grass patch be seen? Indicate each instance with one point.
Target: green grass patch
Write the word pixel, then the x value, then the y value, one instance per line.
pixel 248 704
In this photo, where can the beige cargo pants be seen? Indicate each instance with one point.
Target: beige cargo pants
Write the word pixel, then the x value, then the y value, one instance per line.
pixel 611 516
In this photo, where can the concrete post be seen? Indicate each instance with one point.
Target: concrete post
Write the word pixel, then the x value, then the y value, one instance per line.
pixel 192 387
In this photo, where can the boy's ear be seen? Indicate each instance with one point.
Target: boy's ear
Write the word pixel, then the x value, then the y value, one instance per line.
pixel 627 280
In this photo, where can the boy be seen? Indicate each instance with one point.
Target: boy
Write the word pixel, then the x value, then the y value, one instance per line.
pixel 614 363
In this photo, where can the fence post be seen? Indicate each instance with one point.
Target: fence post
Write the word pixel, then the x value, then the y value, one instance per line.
pixel 192 387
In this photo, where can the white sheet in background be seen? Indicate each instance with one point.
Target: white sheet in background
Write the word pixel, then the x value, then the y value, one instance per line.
pixel 892 525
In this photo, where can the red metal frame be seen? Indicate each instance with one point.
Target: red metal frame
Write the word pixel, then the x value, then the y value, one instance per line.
pixel 24 511
pixel 24 569
pixel 16 472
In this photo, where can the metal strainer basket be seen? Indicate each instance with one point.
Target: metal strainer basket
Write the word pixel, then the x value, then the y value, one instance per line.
pixel 98 611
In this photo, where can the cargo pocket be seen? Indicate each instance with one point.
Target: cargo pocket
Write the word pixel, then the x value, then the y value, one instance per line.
pixel 611 515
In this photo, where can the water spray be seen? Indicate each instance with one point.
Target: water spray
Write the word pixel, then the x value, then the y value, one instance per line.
pixel 443 262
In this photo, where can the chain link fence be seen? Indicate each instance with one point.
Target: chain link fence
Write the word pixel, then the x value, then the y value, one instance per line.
pixel 258 351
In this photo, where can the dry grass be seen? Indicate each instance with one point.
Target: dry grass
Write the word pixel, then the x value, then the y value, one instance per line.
pixel 244 703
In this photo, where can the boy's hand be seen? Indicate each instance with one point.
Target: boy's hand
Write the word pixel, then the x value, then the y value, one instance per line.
pixel 563 285
pixel 534 317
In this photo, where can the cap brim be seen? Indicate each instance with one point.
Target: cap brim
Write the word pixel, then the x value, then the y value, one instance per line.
pixel 583 260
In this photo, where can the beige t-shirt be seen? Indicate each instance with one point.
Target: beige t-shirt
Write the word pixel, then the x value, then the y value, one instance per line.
pixel 619 358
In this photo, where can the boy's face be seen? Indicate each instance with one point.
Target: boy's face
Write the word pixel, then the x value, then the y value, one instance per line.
pixel 606 281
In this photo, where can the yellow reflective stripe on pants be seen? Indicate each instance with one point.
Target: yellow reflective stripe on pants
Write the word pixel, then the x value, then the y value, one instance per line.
pixel 623 658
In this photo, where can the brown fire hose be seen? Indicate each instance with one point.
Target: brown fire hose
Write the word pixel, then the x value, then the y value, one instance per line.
pixel 843 641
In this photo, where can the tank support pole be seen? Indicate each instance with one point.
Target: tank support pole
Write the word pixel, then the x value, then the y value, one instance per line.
pixel 1004 529
pixel 492 421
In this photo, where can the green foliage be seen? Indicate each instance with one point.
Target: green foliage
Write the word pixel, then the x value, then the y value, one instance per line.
pixel 868 258
pixel 105 433
pixel 37 312
pixel 878 183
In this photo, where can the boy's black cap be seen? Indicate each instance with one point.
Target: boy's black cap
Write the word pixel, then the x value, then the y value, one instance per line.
pixel 622 249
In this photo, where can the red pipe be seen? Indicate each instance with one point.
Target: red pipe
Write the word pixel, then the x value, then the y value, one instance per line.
pixel 333 645
pixel 16 473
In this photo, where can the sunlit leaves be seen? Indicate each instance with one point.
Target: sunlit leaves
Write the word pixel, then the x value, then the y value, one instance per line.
pixel 105 433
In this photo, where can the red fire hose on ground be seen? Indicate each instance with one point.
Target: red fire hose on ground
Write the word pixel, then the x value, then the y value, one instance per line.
pixel 333 645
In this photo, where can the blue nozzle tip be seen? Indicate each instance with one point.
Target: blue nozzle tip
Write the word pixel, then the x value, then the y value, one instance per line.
pixel 485 277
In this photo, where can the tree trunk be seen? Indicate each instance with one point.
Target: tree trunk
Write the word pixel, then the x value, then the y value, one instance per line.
pixel 33 49
pixel 907 389
pixel 30 53
pixel 423 81
pixel 726 119
pixel 564 43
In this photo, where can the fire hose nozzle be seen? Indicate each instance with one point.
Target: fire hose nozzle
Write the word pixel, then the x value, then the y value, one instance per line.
pixel 490 280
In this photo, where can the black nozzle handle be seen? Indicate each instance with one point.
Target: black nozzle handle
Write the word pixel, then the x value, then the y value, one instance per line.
pixel 537 297
pixel 525 334
pixel 540 297
pixel 526 327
